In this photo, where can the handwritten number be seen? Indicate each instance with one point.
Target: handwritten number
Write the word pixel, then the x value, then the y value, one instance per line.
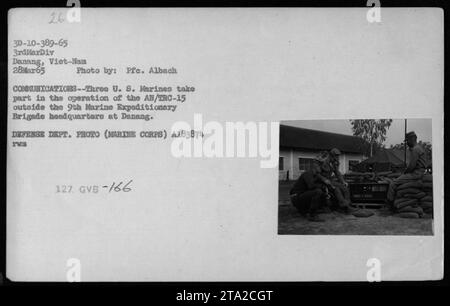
pixel 56 18
pixel 117 188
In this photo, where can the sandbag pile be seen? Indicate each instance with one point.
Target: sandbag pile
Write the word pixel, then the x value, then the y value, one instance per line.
pixel 414 199
pixel 394 175
pixel 359 177
pixel 427 201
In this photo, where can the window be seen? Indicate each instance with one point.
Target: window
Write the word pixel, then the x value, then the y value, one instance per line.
pixel 352 164
pixel 305 164
pixel 281 163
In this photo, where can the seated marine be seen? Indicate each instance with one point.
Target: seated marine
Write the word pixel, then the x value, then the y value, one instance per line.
pixel 416 167
pixel 308 196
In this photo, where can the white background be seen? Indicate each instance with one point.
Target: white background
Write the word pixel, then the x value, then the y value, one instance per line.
pixel 216 219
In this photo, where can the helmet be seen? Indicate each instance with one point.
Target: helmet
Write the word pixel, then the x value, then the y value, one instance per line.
pixel 335 152
pixel 410 134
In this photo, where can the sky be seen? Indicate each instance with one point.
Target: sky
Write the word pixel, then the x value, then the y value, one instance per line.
pixel 395 134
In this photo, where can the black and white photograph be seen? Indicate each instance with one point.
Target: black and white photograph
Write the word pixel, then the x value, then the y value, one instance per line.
pixel 356 177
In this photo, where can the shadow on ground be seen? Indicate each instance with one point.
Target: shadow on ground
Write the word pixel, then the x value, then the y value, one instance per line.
pixel 290 222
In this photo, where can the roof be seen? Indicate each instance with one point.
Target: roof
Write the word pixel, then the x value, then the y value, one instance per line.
pixel 300 138
pixel 384 156
pixel 401 154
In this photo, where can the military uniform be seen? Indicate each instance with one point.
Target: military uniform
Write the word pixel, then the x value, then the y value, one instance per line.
pixel 327 167
pixel 306 194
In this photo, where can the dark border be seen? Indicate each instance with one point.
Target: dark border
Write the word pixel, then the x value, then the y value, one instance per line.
pixel 287 291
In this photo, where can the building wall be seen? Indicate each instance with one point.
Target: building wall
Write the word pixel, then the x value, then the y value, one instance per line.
pixel 346 157
pixel 291 162
pixel 287 156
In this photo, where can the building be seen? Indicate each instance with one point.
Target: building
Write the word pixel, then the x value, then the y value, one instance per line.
pixel 299 146
pixel 383 160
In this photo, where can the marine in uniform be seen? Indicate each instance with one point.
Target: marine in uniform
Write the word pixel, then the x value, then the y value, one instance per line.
pixel 416 167
pixel 308 196
pixel 327 167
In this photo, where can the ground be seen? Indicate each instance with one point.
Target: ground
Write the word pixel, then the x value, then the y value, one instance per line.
pixel 290 222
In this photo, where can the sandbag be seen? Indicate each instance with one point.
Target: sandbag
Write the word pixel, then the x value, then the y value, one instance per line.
pixel 401 200
pixel 383 173
pixel 427 178
pixel 415 195
pixel 401 193
pixel 385 181
pixel 415 184
pixel 427 198
pixel 426 204
pixel 428 186
pixel 417 210
pixel 410 215
pixel 394 175
pixel 408 202
pixel 388 180
pixel 428 210
pixel 363 213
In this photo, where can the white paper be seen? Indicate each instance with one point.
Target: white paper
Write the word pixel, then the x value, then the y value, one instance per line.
pixel 208 218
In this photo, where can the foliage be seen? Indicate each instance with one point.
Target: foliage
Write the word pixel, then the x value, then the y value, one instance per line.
pixel 372 131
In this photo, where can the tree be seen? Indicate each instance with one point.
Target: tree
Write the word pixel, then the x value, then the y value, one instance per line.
pixel 373 132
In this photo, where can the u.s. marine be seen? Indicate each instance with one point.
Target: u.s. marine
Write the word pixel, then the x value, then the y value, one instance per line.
pixel 416 167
